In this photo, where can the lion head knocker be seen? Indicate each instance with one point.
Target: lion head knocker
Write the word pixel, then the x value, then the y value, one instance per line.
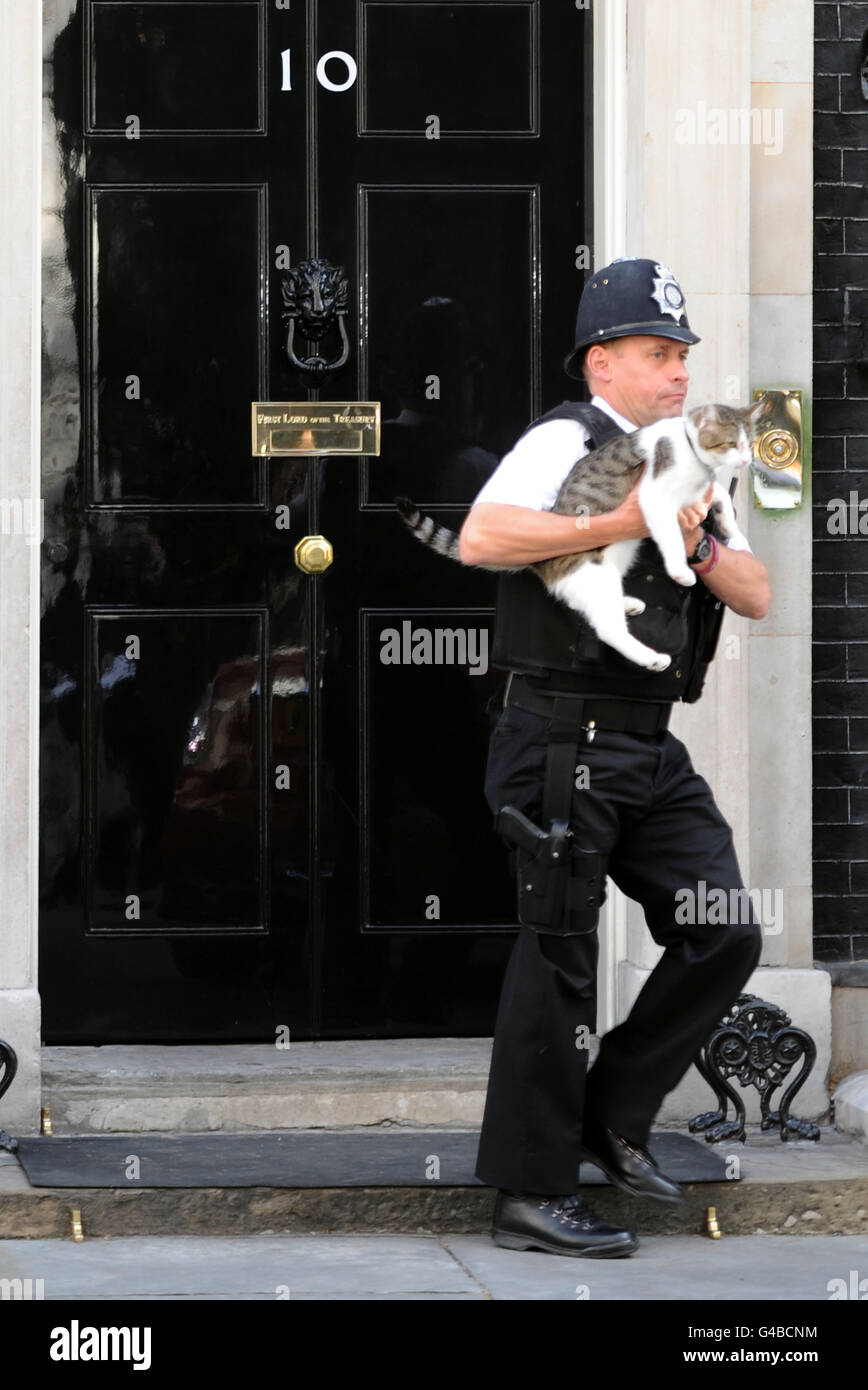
pixel 315 302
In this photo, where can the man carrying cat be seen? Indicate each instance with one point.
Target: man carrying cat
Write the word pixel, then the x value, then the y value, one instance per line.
pixel 640 813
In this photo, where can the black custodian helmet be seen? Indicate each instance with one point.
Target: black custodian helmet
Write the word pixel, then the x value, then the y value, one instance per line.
pixel 629 296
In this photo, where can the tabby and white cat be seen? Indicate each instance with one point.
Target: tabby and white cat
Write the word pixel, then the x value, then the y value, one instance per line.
pixel 683 456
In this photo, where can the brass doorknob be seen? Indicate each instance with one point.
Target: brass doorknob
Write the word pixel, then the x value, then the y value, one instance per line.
pixel 313 554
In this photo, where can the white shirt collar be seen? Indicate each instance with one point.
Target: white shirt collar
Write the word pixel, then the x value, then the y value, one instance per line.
pixel 610 410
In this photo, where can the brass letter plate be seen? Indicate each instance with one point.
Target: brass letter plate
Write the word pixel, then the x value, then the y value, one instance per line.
pixel 316 427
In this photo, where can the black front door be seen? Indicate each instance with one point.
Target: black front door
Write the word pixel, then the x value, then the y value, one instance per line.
pixel 262 805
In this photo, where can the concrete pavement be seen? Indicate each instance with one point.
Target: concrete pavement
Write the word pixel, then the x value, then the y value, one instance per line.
pixel 764 1269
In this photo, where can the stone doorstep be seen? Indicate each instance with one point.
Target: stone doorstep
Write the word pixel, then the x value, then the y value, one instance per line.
pixel 194 1089
pixel 437 1082
pixel 797 1188
pixel 788 1209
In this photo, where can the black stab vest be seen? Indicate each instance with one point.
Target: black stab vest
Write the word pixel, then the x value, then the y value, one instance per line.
pixel 538 635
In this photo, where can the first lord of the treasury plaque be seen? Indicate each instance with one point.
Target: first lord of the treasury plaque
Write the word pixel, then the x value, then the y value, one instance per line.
pixel 316 427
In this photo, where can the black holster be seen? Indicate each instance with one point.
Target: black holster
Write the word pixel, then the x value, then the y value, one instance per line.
pixel 561 886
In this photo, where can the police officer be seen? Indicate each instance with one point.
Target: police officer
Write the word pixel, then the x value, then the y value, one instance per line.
pixel 636 811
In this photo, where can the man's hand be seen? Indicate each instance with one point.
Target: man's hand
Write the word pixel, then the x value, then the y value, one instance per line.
pixel 690 519
pixel 628 519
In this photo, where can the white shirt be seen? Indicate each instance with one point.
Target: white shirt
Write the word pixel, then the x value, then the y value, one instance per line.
pixel 531 474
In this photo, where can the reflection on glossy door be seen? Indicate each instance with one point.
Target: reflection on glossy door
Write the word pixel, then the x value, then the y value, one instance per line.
pixel 262 801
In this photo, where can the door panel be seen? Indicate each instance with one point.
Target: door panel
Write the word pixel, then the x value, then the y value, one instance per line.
pixel 180 70
pixel 177 780
pixel 472 65
pixel 482 338
pixel 171 352
pixel 262 790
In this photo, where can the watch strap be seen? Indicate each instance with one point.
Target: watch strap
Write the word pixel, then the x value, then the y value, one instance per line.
pixel 705 544
pixel 708 565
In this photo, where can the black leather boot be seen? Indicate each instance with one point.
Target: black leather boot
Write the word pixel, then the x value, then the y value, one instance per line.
pixel 560 1225
pixel 628 1166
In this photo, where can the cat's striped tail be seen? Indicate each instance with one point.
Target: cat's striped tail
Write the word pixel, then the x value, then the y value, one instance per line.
pixel 427 530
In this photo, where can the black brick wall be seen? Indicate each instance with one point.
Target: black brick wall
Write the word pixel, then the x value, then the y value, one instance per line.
pixel 840 466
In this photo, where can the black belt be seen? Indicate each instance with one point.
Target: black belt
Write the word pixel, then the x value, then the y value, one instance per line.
pixel 601 712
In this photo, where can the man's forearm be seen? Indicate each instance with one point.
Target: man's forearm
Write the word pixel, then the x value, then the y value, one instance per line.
pixel 741 580
pixel 495 533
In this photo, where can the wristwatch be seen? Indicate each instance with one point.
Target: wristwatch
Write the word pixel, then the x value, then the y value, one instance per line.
pixel 703 552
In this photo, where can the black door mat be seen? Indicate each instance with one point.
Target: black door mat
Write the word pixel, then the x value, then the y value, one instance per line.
pixel 303 1158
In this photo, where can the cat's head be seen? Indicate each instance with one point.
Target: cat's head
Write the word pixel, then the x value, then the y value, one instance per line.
pixel 722 435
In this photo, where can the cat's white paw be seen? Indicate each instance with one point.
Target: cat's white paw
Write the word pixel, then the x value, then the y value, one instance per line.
pixel 660 662
pixel 633 606
pixel 685 577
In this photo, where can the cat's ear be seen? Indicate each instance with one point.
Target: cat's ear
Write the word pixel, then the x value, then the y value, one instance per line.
pixel 704 415
pixel 758 412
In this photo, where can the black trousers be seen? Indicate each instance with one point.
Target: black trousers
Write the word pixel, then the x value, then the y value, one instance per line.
pixel 654 820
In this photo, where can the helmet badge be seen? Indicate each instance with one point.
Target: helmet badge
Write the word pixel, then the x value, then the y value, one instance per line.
pixel 667 293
